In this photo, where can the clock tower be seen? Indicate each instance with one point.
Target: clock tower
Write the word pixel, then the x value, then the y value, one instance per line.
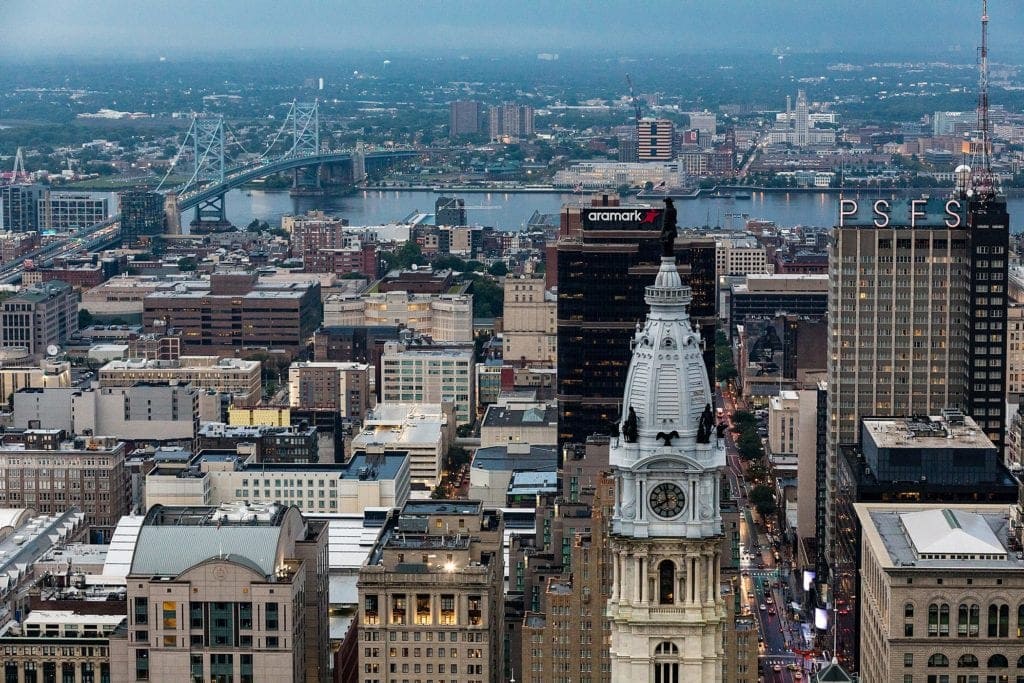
pixel 666 610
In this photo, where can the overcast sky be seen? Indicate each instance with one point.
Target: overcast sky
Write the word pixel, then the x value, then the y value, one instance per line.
pixel 141 28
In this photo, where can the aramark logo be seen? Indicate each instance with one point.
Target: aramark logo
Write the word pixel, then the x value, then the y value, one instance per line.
pixel 630 216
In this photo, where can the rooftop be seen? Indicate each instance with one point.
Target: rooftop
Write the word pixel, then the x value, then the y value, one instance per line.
pixel 942 533
pixel 923 431
pixel 498 458
pixel 505 416
pixel 442 507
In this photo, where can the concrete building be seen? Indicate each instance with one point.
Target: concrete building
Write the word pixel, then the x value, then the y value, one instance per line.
pixel 218 477
pixel 239 378
pixel 430 376
pixel 1015 352
pixel 600 175
pixel 236 312
pixel 510 120
pixel 529 326
pixel 492 468
pixel 48 374
pixel 19 207
pixel 765 296
pixel 289 445
pixel 14 245
pixel 142 217
pixel 120 296
pixel 655 140
pixel 221 593
pixel 506 424
pixel 424 431
pixel 740 256
pixel 66 211
pixel 39 317
pixel 347 388
pixel 143 412
pixel 940 593
pixel 76 647
pixel 436 574
pixel 444 317
pixel 51 472
pixel 464 118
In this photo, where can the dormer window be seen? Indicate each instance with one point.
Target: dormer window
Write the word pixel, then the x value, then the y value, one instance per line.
pixel 667 343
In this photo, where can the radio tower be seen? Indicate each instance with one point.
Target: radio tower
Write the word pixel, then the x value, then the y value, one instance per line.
pixel 984 185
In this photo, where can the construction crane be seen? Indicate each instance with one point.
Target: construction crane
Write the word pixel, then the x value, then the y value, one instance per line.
pixel 634 100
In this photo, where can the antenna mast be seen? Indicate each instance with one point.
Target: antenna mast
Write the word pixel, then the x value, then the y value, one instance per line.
pixel 983 183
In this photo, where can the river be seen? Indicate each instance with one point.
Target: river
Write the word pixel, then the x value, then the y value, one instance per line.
pixel 511 211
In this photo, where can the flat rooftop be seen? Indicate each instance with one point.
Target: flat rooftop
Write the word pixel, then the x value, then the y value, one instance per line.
pixel 442 507
pixel 498 458
pixel 926 432
pixel 505 416
pixel 929 537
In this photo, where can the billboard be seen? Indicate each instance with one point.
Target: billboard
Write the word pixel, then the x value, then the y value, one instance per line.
pixel 621 218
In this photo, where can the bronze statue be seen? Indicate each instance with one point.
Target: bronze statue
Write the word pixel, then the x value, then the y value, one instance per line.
pixel 707 421
pixel 668 437
pixel 668 228
pixel 629 429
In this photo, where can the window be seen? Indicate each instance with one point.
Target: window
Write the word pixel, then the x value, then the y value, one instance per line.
pixel 938 620
pixel 998 662
pixel 370 610
pixel 272 621
pixel 170 615
pixel 141 611
pixel 967 661
pixel 938 659
pixel 666 648
pixel 142 665
pixel 968 620
pixel 998 621
pixel 666 582
pixel 908 659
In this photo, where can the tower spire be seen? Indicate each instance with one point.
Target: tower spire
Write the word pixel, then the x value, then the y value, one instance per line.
pixel 984 184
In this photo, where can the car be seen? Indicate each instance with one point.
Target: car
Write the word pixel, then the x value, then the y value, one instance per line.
pixel 769 600
pixel 772 611
pixel 798 675
pixel 762 607
pixel 777 667
pixel 750 595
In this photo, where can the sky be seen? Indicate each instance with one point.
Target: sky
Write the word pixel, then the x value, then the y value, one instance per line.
pixel 152 28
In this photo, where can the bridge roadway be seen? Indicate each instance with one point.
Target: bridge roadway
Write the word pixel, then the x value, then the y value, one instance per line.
pixel 106 232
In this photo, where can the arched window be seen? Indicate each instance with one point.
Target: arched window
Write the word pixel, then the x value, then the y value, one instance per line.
pixel 967 661
pixel 943 620
pixel 666 671
pixel 998 662
pixel 666 648
pixel 968 620
pixel 998 621
pixel 938 659
pixel 1020 662
pixel 1020 621
pixel 666 582
pixel 908 611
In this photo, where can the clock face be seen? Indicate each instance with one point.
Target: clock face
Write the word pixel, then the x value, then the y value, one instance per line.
pixel 667 500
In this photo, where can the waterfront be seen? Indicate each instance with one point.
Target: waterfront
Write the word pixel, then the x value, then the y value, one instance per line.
pixel 511 211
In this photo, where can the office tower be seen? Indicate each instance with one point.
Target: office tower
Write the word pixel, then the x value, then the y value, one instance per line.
pixel 666 607
pixel 801 122
pixel 917 316
pixel 655 140
pixel 236 592
pixel 450 211
pixel 142 216
pixel 19 207
pixel 431 596
pixel 941 594
pixel 39 317
pixel 63 211
pixel 604 257
pixel 463 118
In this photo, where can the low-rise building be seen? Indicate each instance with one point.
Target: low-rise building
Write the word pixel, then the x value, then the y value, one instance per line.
pixel 52 645
pixel 216 477
pixel 48 374
pixel 297 444
pixel 444 317
pixel 26 536
pixel 39 317
pixel 424 431
pixel 430 376
pixel 492 469
pixel 508 424
pixel 436 573
pixel 14 245
pixel 221 593
pixel 239 378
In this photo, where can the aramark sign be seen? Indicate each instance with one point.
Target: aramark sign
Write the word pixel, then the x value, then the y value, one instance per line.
pixel 927 212
pixel 621 218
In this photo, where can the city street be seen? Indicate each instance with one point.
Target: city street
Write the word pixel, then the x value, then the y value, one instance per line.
pixel 764 583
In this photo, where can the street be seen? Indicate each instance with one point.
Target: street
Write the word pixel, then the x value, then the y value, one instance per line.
pixel 765 577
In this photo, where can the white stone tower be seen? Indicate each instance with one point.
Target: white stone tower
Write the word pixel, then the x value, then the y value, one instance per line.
pixel 666 610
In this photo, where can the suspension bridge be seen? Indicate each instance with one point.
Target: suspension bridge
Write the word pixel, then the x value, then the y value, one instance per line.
pixel 212 172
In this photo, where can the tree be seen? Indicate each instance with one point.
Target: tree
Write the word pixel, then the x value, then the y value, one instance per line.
pixel 186 264
pixel 85 318
pixel 488 299
pixel 498 269
pixel 449 263
pixel 750 447
pixel 763 499
pixel 353 276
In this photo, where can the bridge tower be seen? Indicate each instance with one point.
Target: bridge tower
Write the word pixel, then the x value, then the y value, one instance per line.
pixel 305 129
pixel 208 150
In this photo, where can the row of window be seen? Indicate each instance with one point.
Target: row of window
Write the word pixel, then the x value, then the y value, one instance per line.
pixel 968 620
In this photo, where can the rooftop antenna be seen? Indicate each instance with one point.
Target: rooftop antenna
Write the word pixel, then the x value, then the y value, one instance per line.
pixel 983 183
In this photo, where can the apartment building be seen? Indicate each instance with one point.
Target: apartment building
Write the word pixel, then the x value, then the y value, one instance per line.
pixel 430 376
pixel 48 374
pixel 443 317
pixel 347 388
pixel 39 317
pixel 239 378
pixel 52 645
pixel 424 431
pixel 529 326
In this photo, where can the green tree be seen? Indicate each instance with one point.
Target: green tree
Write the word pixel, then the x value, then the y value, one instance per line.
pixel 488 299
pixel 353 276
pixel 725 368
pixel 85 318
pixel 498 269
pixel 449 263
pixel 749 446
pixel 763 500
pixel 187 264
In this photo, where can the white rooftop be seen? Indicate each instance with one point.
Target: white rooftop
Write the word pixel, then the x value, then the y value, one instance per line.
pixel 945 532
